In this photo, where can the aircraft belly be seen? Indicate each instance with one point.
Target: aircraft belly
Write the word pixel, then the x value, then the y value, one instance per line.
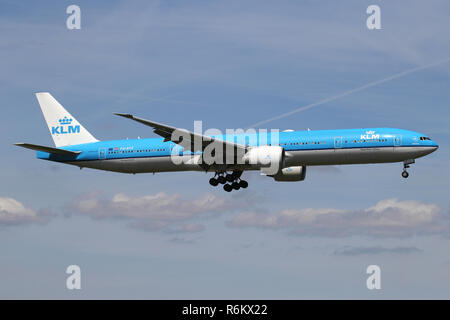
pixel 137 165
pixel 412 152
pixel 365 155
pixel 345 156
pixel 298 157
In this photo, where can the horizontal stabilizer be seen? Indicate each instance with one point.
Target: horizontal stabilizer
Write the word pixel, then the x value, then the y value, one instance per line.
pixel 48 149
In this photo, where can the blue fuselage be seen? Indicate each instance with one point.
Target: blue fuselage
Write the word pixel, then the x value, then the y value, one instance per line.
pixel 316 147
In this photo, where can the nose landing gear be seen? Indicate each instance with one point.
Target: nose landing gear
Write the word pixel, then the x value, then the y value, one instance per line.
pixel 406 164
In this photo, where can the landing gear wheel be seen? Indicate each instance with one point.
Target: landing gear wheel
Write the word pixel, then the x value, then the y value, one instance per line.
pixel 243 184
pixel 406 164
pixel 213 182
pixel 229 177
pixel 221 180
pixel 231 181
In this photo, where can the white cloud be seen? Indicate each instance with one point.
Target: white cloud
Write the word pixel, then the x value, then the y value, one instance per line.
pixel 192 228
pixel 153 212
pixel 389 217
pixel 13 212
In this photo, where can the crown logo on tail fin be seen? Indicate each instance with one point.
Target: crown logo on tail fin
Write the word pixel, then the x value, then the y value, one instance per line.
pixel 65 127
pixel 64 121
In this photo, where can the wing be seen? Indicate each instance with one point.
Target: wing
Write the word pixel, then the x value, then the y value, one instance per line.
pixel 187 139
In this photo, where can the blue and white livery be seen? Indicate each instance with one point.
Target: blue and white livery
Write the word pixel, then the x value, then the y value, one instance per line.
pixel 178 150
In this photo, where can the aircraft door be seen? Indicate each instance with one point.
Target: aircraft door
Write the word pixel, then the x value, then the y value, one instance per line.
pixel 102 153
pixel 337 142
pixel 397 140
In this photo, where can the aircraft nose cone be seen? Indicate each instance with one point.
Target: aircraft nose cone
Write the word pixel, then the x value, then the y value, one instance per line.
pixel 434 146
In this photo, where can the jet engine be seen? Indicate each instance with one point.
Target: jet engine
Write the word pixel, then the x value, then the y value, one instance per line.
pixel 291 174
pixel 269 159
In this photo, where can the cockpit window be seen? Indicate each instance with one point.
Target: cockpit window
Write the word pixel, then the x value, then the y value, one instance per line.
pixel 424 138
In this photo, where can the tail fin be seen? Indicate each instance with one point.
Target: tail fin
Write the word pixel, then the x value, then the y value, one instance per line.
pixel 64 128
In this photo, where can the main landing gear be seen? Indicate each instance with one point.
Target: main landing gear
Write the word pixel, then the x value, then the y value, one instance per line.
pixel 406 164
pixel 230 181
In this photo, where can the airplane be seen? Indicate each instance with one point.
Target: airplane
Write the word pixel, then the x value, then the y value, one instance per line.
pixel 177 149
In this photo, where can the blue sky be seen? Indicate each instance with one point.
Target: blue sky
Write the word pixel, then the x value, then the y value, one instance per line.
pixel 229 64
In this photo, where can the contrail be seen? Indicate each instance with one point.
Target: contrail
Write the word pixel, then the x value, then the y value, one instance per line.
pixel 368 85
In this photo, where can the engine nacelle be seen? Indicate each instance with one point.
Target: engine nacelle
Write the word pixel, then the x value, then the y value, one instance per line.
pixel 291 174
pixel 270 159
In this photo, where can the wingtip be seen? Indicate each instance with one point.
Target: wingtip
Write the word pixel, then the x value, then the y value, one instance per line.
pixel 125 115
